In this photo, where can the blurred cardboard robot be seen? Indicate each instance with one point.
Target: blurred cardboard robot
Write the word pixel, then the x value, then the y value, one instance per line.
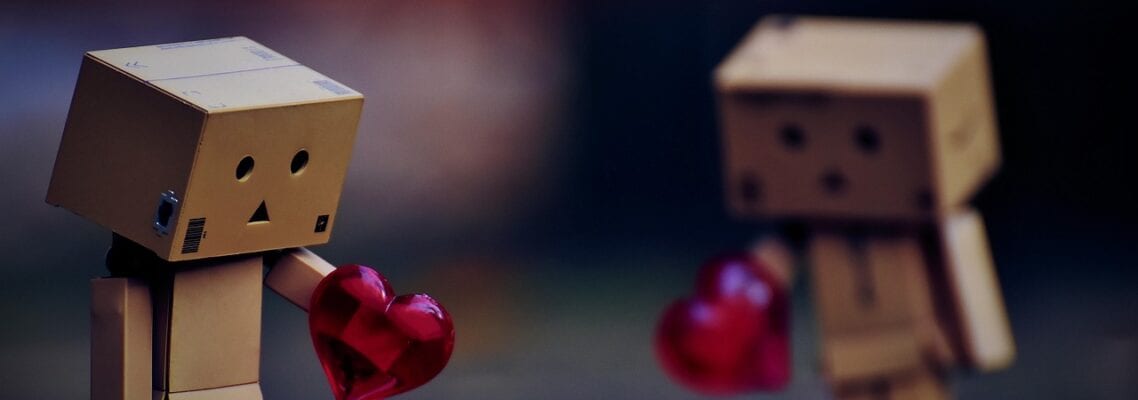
pixel 210 161
pixel 871 137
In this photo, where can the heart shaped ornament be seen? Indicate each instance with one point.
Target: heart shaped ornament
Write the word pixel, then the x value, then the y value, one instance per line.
pixel 732 336
pixel 371 343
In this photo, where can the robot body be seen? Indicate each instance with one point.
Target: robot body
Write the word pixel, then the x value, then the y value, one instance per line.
pixel 210 161
pixel 874 135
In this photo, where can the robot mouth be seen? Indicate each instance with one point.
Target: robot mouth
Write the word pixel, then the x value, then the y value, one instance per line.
pixel 261 215
pixel 834 182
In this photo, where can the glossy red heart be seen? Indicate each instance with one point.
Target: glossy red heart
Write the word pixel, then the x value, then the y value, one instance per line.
pixel 732 336
pixel 371 343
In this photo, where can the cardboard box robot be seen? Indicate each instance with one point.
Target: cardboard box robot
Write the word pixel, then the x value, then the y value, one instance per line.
pixel 204 158
pixel 874 134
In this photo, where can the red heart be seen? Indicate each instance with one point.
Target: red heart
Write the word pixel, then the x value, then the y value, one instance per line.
pixel 733 335
pixel 372 344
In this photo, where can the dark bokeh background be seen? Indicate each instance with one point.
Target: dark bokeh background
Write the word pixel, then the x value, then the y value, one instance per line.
pixel 550 171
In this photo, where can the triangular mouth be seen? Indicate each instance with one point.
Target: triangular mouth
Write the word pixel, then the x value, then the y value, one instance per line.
pixel 261 215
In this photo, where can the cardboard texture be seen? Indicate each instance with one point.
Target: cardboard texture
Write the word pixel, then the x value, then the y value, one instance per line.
pixel 869 355
pixel 866 283
pixel 206 149
pixel 932 332
pixel 921 384
pixel 836 118
pixel 886 128
pixel 120 339
pixel 295 275
pixel 826 174
pixel 870 290
pixel 209 331
pixel 778 257
pixel 975 290
pixel 250 391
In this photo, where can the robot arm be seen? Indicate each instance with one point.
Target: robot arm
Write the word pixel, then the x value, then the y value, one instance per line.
pixel 778 257
pixel 975 290
pixel 294 274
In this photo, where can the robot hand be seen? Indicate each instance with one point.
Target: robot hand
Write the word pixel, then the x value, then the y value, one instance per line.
pixel 372 343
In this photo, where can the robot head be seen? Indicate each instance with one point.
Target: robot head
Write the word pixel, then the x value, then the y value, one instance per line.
pixel 204 149
pixel 835 118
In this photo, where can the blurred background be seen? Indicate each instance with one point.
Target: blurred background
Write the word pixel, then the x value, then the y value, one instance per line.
pixel 550 171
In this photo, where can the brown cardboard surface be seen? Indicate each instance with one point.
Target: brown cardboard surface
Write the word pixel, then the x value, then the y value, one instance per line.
pixel 778 257
pixel 194 58
pixel 965 142
pixel 250 391
pixel 295 202
pixel 120 339
pixel 224 74
pixel 840 54
pixel 124 144
pixel 932 332
pixel 898 307
pixel 176 120
pixel 975 288
pixel 212 332
pixel 921 87
pixel 861 284
pixel 880 354
pixel 886 183
pixel 295 275
pixel 921 384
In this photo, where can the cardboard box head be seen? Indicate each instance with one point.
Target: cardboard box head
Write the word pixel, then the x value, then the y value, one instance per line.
pixel 863 119
pixel 206 148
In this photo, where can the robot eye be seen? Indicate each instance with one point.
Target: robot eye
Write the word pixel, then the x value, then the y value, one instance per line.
pixel 244 169
pixel 867 139
pixel 793 137
pixel 299 161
